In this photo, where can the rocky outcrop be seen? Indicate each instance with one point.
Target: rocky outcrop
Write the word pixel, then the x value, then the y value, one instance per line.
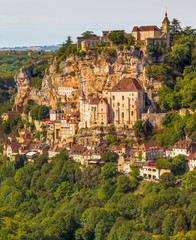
pixel 92 73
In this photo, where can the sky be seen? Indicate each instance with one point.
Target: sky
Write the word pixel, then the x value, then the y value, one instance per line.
pixel 47 22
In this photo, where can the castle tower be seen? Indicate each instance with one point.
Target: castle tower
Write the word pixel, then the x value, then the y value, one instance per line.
pixel 165 27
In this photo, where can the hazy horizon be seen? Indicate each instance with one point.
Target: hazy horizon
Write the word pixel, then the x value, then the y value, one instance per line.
pixel 43 22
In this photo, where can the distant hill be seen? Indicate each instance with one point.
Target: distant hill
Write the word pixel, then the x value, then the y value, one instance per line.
pixel 33 48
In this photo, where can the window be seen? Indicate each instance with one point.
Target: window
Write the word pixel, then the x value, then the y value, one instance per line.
pixel 113 97
pixel 122 114
pixel 123 97
pixel 123 105
pixel 113 105
pixel 102 109
pixel 131 113
pixel 118 104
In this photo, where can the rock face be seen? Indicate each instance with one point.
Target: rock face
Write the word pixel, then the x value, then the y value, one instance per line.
pixel 92 73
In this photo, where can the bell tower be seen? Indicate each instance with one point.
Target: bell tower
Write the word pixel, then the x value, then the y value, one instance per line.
pixel 165 28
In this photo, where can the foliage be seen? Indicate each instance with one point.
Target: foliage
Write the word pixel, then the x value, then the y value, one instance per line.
pixel 176 127
pixel 112 139
pixel 12 61
pixel 110 157
pixel 88 34
pixel 131 40
pixel 117 37
pixel 62 200
pixel 39 112
pixel 167 180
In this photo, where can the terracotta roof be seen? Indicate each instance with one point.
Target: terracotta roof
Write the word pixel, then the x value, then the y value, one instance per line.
pixel 94 101
pixel 127 85
pixel 135 29
pixel 15 146
pixel 192 157
pixel 183 144
pixel 149 146
pixel 145 28
pixel 68 84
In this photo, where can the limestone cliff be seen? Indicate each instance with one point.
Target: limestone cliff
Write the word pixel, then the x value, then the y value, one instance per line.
pixel 93 73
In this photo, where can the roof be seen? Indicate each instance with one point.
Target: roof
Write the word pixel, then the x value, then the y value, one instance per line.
pixel 149 146
pixel 166 20
pixel 15 146
pixel 94 101
pixel 68 84
pixel 146 28
pixel 127 85
pixel 183 144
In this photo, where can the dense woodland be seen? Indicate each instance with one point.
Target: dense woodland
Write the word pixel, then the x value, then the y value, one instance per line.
pixel 64 200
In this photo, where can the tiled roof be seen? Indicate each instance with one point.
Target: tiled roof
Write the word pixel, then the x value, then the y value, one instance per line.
pixel 15 146
pixel 127 85
pixel 68 84
pixel 94 101
pixel 145 28
pixel 149 146
pixel 183 144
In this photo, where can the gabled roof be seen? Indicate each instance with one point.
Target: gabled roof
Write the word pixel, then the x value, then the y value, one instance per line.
pixel 149 146
pixel 127 85
pixel 183 144
pixel 146 28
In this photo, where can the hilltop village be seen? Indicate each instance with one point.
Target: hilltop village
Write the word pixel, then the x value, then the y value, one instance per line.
pixel 91 119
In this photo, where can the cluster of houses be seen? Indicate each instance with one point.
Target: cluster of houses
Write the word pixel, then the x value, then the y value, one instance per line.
pixel 144 157
pixel 121 106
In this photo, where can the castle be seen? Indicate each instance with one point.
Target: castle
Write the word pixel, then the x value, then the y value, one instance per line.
pixel 151 34
pixel 148 34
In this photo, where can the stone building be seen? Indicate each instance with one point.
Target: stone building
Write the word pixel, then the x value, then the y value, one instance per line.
pixel 149 151
pixel 126 102
pixel 66 89
pixel 69 126
pixel 150 34
pixel 93 112
pixel 56 114
pixel 91 42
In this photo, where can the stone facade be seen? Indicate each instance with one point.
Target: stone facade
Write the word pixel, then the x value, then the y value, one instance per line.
pixel 123 106
pixel 152 34
pixel 126 103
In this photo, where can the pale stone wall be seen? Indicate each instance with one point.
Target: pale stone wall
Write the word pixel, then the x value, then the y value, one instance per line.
pixel 126 107
pixel 89 44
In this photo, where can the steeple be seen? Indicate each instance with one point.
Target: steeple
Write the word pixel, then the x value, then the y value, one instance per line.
pixel 166 20
pixel 165 27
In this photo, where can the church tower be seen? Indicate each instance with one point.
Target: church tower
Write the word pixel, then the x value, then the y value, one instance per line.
pixel 165 28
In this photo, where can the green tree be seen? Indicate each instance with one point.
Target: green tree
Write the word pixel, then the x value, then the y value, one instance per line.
pixel 110 157
pixel 109 170
pixel 117 37
pixel 43 112
pixel 112 139
pixel 179 165
pixel 181 224
pixel 63 190
pixel 131 40
pixel 167 180
pixel 175 27
pixel 88 34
